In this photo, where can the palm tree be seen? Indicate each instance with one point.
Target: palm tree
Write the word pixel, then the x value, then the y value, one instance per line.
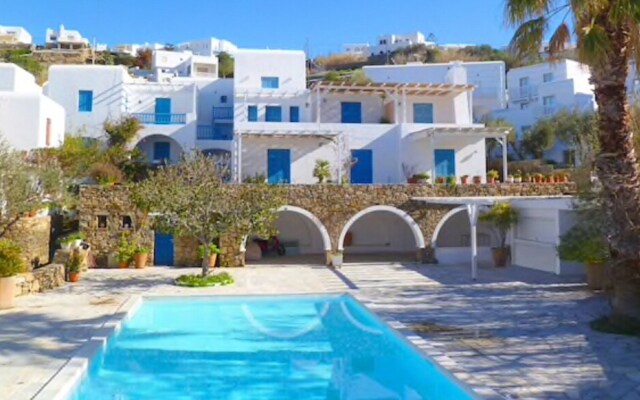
pixel 607 34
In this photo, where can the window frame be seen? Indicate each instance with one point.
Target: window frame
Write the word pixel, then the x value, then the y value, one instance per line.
pixel 270 82
pixel 85 100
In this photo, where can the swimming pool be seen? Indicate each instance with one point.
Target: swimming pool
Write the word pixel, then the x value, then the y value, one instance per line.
pixel 271 348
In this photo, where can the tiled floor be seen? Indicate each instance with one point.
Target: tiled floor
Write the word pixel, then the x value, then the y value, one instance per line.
pixel 523 333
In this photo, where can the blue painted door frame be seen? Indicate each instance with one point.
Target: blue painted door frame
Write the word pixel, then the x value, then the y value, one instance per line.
pixel 445 161
pixel 163 253
pixel 362 168
pixel 163 110
pixel 279 166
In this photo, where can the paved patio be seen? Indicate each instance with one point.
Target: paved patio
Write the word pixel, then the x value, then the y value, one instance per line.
pixel 523 333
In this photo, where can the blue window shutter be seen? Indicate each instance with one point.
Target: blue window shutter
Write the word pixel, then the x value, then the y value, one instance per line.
pixel 423 113
pixel 445 161
pixel 223 99
pixel 294 114
pixel 351 113
pixel 253 113
pixel 85 101
pixel 270 82
pixel 273 114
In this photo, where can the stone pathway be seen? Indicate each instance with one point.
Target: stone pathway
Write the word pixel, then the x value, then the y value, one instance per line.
pixel 523 333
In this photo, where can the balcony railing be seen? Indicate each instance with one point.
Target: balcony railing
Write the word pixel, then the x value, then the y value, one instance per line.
pixel 215 132
pixel 523 93
pixel 222 113
pixel 161 119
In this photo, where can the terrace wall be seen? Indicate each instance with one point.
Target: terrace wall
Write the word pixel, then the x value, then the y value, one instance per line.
pixel 333 205
pixel 33 235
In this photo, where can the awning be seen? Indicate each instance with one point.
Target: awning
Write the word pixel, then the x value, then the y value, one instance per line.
pixel 478 130
pixel 409 89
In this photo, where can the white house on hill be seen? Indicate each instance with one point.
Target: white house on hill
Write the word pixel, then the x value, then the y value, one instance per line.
pixel 28 119
pixel 208 47
pixel 65 39
pixel 15 35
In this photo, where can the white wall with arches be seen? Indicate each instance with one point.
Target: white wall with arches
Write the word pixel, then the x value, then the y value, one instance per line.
pixel 451 239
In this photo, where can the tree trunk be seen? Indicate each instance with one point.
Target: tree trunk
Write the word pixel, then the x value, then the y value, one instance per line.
pixel 205 260
pixel 617 169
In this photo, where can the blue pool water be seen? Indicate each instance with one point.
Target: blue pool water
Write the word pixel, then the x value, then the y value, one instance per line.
pixel 278 348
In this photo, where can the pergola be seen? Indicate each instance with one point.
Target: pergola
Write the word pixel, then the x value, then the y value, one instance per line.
pixel 473 206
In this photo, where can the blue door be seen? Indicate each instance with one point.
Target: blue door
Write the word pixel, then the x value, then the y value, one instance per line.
pixel 351 113
pixel 163 249
pixel 279 166
pixel 362 166
pixel 163 110
pixel 445 161
pixel 161 151
pixel 294 114
pixel 423 113
pixel 273 114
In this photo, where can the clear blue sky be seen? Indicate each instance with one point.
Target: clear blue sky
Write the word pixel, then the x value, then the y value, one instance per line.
pixel 327 24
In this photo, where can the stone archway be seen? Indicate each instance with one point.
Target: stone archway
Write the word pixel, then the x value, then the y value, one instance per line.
pixel 451 240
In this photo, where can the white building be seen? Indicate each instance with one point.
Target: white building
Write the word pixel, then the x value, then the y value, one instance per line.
pixel 133 49
pixel 208 47
pixel 65 39
pixel 15 35
pixel 28 119
pixel 170 64
pixel 542 90
pixel 387 44
pixel 372 133
pixel 488 77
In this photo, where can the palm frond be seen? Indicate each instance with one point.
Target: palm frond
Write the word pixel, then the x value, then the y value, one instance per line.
pixel 529 36
pixel 593 44
pixel 519 11
pixel 559 39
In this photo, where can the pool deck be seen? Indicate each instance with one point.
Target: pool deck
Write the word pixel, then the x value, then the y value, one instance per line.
pixel 522 333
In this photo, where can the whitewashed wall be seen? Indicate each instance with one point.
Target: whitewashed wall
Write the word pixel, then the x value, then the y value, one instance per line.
pixel 252 65
pixel 381 232
pixel 293 227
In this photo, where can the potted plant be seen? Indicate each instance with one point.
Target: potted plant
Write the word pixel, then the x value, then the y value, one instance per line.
pixel 451 181
pixel 440 180
pixel 125 252
pixel 422 178
pixel 527 178
pixel 464 179
pixel 510 178
pixel 213 254
pixel 11 264
pixel 549 178
pixel 502 216
pixel 492 176
pixel 73 266
pixel 538 177
pixel 322 171
pixel 477 180
pixel 585 243
pixel 336 258
pixel 517 177
pixel 140 256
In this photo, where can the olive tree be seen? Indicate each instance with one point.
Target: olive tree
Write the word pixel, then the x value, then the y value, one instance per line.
pixel 192 198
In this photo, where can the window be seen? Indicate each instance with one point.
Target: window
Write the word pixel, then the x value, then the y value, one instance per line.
pixel 294 114
pixel 102 222
pixel 523 131
pixel 547 77
pixel 85 101
pixel 524 82
pixel 549 100
pixel 524 106
pixel 423 113
pixel 273 114
pixel 127 222
pixel 253 113
pixel 223 99
pixel 270 82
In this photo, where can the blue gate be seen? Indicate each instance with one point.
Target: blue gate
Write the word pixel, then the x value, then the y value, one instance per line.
pixel 362 166
pixel 163 249
pixel 279 166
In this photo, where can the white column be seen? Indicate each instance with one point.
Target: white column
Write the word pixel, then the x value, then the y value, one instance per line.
pixel 318 105
pixel 432 145
pixel 472 210
pixel 404 106
pixel 505 166
pixel 239 150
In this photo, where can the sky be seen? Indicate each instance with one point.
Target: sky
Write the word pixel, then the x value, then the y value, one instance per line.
pixel 324 26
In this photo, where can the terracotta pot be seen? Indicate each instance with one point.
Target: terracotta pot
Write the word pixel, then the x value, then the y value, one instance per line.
pixel 212 260
pixel 500 256
pixel 464 180
pixel 537 179
pixel 412 180
pixel 348 239
pixel 74 277
pixel 477 180
pixel 549 180
pixel 123 265
pixel 140 260
pixel 7 292
pixel 491 181
pixel 596 276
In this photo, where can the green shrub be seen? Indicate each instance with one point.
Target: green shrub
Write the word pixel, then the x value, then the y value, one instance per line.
pixel 584 243
pixel 322 171
pixel 11 262
pixel 502 216
pixel 213 249
pixel 221 279
pixel 125 249
pixel 74 263
pixel 106 174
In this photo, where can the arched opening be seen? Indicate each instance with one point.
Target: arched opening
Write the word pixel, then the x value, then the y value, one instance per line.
pixel 301 239
pixel 452 239
pixel 160 149
pixel 381 233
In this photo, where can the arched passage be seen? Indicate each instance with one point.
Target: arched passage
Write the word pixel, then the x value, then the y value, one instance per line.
pixel 451 239
pixel 160 149
pixel 382 232
pixel 304 237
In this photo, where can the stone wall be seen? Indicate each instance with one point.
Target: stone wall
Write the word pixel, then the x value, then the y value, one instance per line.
pixel 333 205
pixel 33 235
pixel 40 280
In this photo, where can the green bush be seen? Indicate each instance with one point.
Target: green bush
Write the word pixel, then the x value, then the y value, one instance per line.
pixel 584 243
pixel 502 216
pixel 106 174
pixel 74 263
pixel 11 262
pixel 322 171
pixel 221 279
pixel 213 249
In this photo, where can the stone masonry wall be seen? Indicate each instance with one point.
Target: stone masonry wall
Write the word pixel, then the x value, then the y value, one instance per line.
pixel 40 280
pixel 333 205
pixel 33 235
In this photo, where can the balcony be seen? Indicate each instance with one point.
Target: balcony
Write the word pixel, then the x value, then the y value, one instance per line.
pixel 524 93
pixel 222 113
pixel 161 119
pixel 215 132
